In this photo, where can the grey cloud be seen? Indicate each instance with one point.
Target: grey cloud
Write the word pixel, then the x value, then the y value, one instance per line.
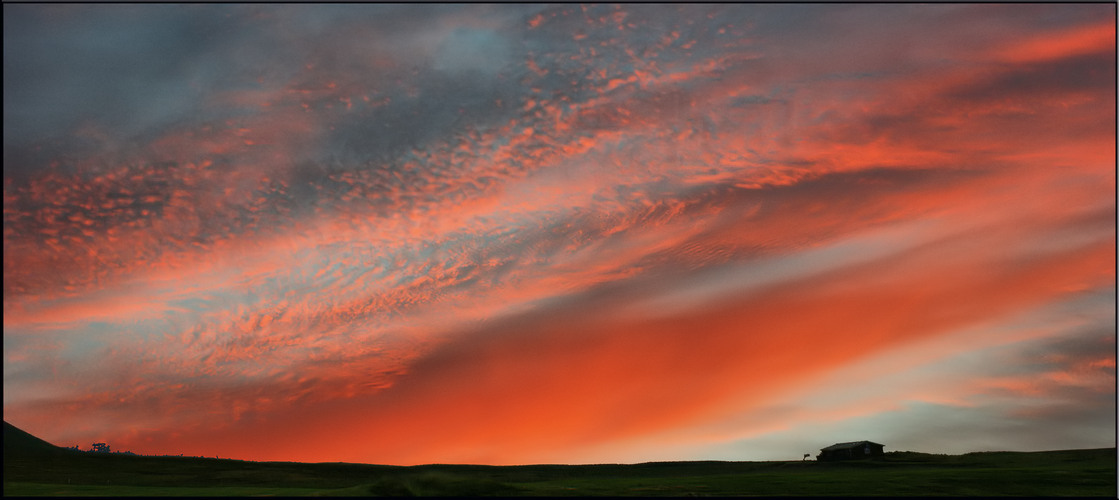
pixel 135 69
pixel 1041 81
pixel 473 51
pixel 118 66
pixel 980 429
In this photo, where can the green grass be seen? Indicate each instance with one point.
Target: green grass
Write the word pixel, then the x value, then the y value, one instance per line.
pixel 1056 473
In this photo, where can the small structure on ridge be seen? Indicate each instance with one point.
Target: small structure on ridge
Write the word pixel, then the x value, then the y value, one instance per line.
pixel 850 451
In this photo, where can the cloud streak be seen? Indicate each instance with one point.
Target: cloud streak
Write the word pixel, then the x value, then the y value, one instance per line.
pixel 414 234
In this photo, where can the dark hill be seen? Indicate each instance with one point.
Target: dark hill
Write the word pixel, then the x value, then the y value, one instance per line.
pixel 18 442
pixel 35 467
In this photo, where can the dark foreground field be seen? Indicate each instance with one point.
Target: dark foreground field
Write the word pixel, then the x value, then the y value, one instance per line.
pixel 34 469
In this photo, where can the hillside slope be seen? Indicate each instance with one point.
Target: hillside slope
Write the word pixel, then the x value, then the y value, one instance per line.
pixel 18 442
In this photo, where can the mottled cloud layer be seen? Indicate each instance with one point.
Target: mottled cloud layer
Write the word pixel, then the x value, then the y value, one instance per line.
pixel 559 233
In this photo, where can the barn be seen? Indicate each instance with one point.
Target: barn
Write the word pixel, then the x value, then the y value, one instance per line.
pixel 850 451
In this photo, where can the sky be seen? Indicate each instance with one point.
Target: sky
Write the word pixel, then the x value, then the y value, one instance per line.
pixel 511 234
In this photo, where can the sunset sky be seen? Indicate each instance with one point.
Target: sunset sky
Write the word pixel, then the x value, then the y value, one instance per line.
pixel 508 234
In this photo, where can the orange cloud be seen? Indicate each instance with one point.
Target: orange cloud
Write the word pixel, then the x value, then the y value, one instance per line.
pixel 1069 42
pixel 594 377
pixel 653 230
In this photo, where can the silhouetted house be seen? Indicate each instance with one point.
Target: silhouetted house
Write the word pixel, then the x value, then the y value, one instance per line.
pixel 850 451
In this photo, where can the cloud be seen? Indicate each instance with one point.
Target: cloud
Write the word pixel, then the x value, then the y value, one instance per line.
pixel 543 233
pixel 597 377
pixel 981 382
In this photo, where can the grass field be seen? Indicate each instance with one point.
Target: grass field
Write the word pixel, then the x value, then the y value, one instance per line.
pixel 33 467
pixel 1054 473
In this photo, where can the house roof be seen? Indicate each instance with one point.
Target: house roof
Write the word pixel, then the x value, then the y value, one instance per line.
pixel 852 444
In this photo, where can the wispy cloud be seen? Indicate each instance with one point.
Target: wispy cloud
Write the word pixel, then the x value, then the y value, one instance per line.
pixel 506 234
